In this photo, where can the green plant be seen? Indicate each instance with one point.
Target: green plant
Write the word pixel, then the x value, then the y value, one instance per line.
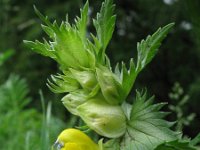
pixel 14 121
pixel 19 125
pixel 97 93
pixel 179 101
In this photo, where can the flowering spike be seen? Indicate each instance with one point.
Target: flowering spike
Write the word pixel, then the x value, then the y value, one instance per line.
pixel 96 93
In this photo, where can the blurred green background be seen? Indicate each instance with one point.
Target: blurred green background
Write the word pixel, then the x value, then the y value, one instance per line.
pixel 173 76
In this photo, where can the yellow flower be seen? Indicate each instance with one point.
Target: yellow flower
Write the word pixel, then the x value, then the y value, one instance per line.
pixel 73 139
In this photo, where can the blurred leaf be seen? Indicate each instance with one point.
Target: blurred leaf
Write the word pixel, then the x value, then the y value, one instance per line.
pixel 14 93
pixel 196 140
pixel 6 55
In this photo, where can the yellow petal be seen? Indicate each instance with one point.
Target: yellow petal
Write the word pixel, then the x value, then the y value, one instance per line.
pixel 71 146
pixel 74 139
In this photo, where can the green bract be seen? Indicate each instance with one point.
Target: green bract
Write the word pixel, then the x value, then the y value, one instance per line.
pixel 106 119
pixel 73 100
pixel 110 87
pixel 68 42
pixel 87 79
pixel 98 93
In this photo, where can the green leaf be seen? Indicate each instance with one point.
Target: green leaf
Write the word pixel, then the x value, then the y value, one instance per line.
pixel 110 87
pixel 41 48
pixel 104 23
pixel 63 83
pixel 74 99
pixel 69 43
pixel 175 145
pixel 86 79
pixel 148 48
pixel 6 55
pixel 13 93
pixel 127 77
pixel 48 31
pixel 146 128
pixel 196 140
pixel 43 18
pixel 70 49
pixel 112 144
pixel 81 23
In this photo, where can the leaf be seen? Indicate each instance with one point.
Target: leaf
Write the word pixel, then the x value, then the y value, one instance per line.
pixel 43 18
pixel 127 77
pixel 70 49
pixel 110 87
pixel 148 48
pixel 6 55
pixel 81 23
pixel 175 145
pixel 112 144
pixel 14 93
pixel 146 128
pixel 74 99
pixel 41 48
pixel 63 83
pixel 196 140
pixel 104 23
pixel 68 46
pixel 48 31
pixel 86 79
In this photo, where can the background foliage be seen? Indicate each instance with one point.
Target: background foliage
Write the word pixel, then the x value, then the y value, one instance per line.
pixel 177 61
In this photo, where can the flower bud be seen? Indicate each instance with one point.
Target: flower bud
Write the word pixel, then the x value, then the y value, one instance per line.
pixel 73 139
pixel 86 79
pixel 110 87
pixel 106 119
pixel 73 100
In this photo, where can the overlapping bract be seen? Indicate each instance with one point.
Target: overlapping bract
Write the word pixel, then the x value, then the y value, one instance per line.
pixel 68 42
pixel 86 76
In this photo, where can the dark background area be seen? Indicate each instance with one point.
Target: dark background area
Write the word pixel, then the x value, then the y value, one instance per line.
pixel 177 61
